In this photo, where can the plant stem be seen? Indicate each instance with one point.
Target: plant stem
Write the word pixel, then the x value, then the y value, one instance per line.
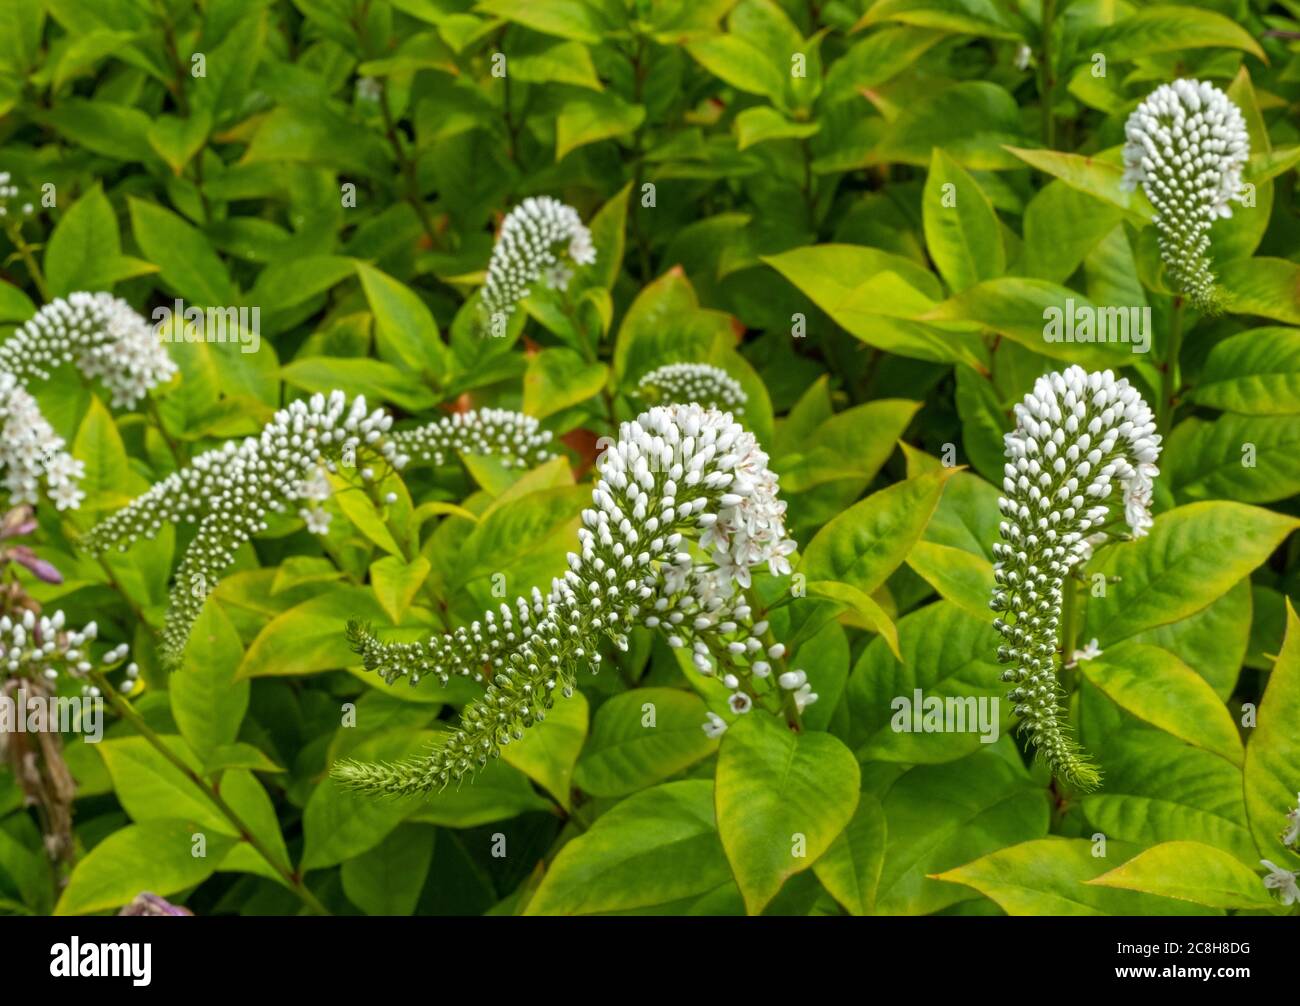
pixel 1169 372
pixel 1047 75
pixel 789 706
pixel 15 232
pixel 151 407
pixel 128 713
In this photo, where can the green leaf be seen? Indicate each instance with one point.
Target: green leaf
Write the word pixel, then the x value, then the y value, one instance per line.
pixel 177 140
pixel 1272 774
pixel 1191 871
pixel 1157 687
pixel 405 332
pixel 1268 287
pixel 1169 28
pixel 653 848
pixel 1254 459
pixel 106 128
pixel 850 868
pixel 591 116
pixel 1192 556
pixel 84 243
pixel 559 378
pixel 782 798
pixel 549 751
pixel 950 657
pixel 973 120
pixel 941 816
pixel 632 747
pixel 761 124
pixel 156 857
pixel 208 704
pixel 737 62
pixel 388 879
pixel 962 231
pixel 185 258
pixel 309 636
pixel 866 543
pixel 1051 877
pixel 970 17
pixel 871 614
pixel 396 582
pixel 1098 177
pixel 573 19
pixel 1255 373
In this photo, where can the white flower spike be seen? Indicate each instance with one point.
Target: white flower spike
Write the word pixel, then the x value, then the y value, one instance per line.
pixel 677 472
pixel 32 453
pixel 539 239
pixel 1077 434
pixel 1187 146
pixel 230 491
pixel 101 334
pixel 706 385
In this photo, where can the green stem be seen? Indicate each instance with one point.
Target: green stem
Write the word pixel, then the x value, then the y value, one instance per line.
pixel 1047 75
pixel 15 232
pixel 128 713
pixel 1169 372
pixel 151 408
pixel 789 707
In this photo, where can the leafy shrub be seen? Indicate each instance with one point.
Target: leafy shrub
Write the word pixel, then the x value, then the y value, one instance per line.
pixel 896 402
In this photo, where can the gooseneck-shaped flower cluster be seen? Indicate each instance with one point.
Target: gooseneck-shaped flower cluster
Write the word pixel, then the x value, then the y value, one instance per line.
pixel 710 386
pixel 676 473
pixel 32 453
pixel 101 334
pixel 230 491
pixel 537 240
pixel 1077 434
pixel 1187 146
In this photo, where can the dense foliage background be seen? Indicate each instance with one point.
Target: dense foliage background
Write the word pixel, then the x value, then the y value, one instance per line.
pixel 858 210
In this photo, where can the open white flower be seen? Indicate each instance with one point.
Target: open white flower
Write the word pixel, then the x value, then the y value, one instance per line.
pixel 706 385
pixel 1282 881
pixel 674 473
pixel 536 238
pixel 1077 434
pixel 230 491
pixel 1187 146
pixel 1292 833
pixel 101 334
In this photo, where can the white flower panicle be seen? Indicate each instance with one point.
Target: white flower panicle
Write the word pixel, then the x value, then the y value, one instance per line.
pixel 230 491
pixel 101 334
pixel 1077 435
pixel 1187 146
pixel 32 453
pixel 38 646
pixel 709 386
pixel 676 473
pixel 538 239
pixel 516 438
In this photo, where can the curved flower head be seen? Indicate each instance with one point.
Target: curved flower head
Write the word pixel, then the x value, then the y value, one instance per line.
pixel 230 491
pixel 32 453
pixel 1077 436
pixel 677 475
pixel 709 386
pixel 1187 146
pixel 540 238
pixel 101 334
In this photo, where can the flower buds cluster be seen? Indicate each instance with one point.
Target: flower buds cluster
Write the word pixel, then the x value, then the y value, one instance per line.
pixel 1077 435
pixel 230 491
pixel 101 334
pixel 710 386
pixel 34 645
pixel 32 453
pixel 8 193
pixel 538 238
pixel 1187 146
pixel 675 473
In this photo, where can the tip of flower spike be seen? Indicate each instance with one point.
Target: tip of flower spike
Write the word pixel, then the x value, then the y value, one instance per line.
pixel 408 777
